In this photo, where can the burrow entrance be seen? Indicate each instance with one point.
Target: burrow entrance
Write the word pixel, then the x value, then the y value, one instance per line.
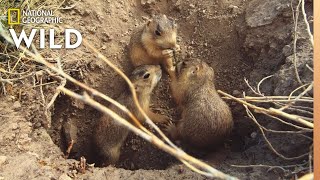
pixel 223 40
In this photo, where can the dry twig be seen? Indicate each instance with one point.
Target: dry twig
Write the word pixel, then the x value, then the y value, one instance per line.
pixel 62 84
pixel 266 139
pixel 82 165
pixel 306 22
pixel 270 111
pixel 283 167
pixel 310 87
pixel 295 15
pixel 70 146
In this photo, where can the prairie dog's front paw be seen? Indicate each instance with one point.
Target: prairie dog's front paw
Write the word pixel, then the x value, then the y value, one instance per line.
pixel 163 118
pixel 177 48
pixel 171 130
pixel 169 127
pixel 172 69
pixel 168 53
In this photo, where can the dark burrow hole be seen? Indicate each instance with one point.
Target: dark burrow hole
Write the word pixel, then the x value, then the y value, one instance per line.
pixel 74 120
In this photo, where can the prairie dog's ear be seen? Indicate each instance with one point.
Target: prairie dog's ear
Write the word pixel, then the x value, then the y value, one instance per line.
pixel 209 71
pixel 198 68
pixel 173 21
pixel 148 25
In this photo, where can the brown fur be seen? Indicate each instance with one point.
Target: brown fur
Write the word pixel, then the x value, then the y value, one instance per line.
pixel 206 119
pixel 146 47
pixel 109 135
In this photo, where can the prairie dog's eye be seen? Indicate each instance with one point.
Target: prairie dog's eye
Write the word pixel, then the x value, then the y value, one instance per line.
pixel 146 76
pixel 157 32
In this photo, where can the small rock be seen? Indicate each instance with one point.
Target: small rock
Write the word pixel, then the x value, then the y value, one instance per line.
pixel 148 2
pixel 3 159
pixel 24 138
pixel 14 126
pixel 16 105
pixel 64 177
pixel 177 5
pixel 106 37
pixel 144 18
pixel 192 6
pixel 12 98
pixel 11 136
pixel 253 135
pixel 70 131
pixel 236 93
pixel 234 9
pixel 287 50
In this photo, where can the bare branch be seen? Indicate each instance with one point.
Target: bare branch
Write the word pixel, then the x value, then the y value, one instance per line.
pixel 306 22
pixel 271 111
pixel 266 139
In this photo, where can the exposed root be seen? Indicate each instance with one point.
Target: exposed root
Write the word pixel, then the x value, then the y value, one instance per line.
pixel 270 111
pixel 268 142
pixel 70 146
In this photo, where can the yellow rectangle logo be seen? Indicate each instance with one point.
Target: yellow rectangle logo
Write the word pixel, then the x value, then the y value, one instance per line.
pixel 13 16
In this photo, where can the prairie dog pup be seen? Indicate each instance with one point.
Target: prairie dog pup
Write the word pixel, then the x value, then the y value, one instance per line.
pixel 206 119
pixel 155 43
pixel 109 135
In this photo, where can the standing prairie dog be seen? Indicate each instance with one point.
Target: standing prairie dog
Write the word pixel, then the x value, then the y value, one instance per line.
pixel 110 135
pixel 155 43
pixel 206 119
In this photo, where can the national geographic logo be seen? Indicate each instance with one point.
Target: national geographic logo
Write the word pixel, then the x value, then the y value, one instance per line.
pixel 13 16
pixel 28 16
pixel 40 16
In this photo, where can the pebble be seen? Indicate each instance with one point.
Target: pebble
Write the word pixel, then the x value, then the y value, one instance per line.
pixel 192 6
pixel 253 135
pixel 234 9
pixel 3 159
pixel 14 126
pixel 16 105
pixel 236 93
pixel 287 50
pixel 64 177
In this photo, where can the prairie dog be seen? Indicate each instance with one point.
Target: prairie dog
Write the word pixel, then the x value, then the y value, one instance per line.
pixel 206 119
pixel 110 135
pixel 155 43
